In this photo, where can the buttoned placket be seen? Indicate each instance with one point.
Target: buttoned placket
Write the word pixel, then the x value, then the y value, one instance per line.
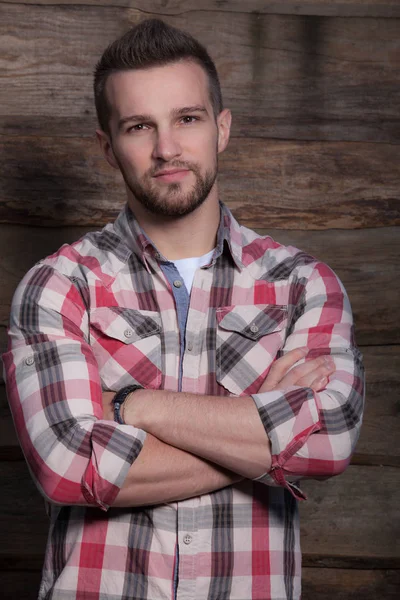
pixel 187 527
pixel 186 516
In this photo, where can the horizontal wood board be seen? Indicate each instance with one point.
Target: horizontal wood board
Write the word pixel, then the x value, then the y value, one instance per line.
pixel 350 584
pixel 355 513
pixel 347 8
pixel 283 76
pixel 50 181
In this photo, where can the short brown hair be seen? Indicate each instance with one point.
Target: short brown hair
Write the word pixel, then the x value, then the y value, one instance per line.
pixel 151 43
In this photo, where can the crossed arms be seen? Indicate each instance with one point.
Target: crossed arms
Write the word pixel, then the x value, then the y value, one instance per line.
pixel 196 444
pixel 174 445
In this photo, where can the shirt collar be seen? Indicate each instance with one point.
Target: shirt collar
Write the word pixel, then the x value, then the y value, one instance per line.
pixel 229 236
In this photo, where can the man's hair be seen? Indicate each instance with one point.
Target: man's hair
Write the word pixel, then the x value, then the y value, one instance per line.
pixel 151 43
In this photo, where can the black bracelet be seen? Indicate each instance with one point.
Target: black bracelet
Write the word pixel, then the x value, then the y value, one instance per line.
pixel 120 398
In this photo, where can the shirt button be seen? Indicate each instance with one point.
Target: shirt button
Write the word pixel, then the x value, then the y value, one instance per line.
pixel 187 539
pixel 177 283
pixel 254 328
pixel 190 346
pixel 29 361
pixel 128 333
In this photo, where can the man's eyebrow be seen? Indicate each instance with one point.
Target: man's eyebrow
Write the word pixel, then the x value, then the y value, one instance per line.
pixel 178 112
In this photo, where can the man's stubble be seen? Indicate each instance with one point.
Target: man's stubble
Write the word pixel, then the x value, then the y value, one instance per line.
pixel 172 201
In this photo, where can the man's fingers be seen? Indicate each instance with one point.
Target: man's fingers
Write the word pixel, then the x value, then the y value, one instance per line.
pixel 306 373
pixel 321 372
pixel 319 384
pixel 283 374
pixel 280 368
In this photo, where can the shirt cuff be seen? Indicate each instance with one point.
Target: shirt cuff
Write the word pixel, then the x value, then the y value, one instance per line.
pixel 289 417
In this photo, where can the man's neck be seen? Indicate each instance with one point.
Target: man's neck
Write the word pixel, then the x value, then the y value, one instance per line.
pixel 184 237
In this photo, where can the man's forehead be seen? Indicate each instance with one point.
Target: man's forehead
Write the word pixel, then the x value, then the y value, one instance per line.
pixel 166 87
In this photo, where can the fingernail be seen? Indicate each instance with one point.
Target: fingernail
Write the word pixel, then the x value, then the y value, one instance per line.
pixel 320 383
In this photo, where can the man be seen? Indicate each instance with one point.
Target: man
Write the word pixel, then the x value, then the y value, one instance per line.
pixel 227 362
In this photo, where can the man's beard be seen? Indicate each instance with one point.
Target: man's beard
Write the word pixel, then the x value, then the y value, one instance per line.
pixel 171 201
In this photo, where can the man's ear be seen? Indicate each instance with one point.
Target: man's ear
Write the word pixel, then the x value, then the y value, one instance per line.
pixel 106 147
pixel 224 121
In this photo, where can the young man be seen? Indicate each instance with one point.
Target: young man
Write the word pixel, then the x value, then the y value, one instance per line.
pixel 227 362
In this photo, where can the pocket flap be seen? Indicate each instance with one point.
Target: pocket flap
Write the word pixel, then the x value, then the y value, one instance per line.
pixel 125 324
pixel 252 321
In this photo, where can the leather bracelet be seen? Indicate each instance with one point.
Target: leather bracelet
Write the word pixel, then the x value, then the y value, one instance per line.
pixel 120 398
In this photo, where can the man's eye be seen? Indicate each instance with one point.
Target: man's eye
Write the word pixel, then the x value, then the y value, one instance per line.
pixel 138 127
pixel 188 119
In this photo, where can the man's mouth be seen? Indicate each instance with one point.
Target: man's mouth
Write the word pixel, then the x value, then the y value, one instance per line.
pixel 171 175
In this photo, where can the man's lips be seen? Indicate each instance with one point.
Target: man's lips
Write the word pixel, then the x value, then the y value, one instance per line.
pixel 171 174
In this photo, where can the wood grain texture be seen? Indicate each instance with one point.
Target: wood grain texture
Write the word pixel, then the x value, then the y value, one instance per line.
pixel 379 442
pixel 287 77
pixel 355 513
pixel 22 585
pixel 350 584
pixel 50 181
pixel 347 8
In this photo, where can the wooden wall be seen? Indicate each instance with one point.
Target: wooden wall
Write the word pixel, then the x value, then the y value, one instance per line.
pixel 314 87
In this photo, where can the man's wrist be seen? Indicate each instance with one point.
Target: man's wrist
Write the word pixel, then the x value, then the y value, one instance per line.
pixel 119 401
pixel 134 407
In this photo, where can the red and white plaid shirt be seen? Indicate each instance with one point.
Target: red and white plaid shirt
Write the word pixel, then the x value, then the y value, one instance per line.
pixel 100 314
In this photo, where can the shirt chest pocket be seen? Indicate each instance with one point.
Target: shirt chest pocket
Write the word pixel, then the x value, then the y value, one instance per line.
pixel 247 341
pixel 127 346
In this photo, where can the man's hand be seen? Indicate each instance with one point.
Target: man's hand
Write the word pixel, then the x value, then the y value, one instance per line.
pixel 313 373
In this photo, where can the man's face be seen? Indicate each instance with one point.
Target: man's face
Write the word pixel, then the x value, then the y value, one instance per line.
pixel 164 137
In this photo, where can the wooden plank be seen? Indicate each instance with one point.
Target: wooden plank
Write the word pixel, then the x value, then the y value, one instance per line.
pixel 287 77
pixel 350 584
pixel 354 514
pixel 345 251
pixel 311 185
pixel 288 185
pixel 347 8
pixel 20 584
pixel 351 518
pixel 23 523
pixel 379 442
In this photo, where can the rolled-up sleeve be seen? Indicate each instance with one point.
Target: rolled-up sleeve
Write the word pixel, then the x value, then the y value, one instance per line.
pixel 55 396
pixel 313 435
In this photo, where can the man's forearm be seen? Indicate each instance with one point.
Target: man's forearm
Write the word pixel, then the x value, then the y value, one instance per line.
pixel 162 473
pixel 224 430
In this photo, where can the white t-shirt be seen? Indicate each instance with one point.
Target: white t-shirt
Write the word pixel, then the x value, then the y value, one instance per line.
pixel 187 267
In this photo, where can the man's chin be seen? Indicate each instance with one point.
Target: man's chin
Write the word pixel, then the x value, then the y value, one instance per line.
pixel 173 210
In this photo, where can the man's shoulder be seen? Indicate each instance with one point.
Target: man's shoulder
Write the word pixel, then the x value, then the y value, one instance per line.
pixel 262 252
pixel 97 254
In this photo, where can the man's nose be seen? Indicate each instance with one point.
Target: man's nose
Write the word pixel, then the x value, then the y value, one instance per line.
pixel 167 146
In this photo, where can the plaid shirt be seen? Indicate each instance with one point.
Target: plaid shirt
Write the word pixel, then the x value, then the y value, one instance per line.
pixel 100 314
